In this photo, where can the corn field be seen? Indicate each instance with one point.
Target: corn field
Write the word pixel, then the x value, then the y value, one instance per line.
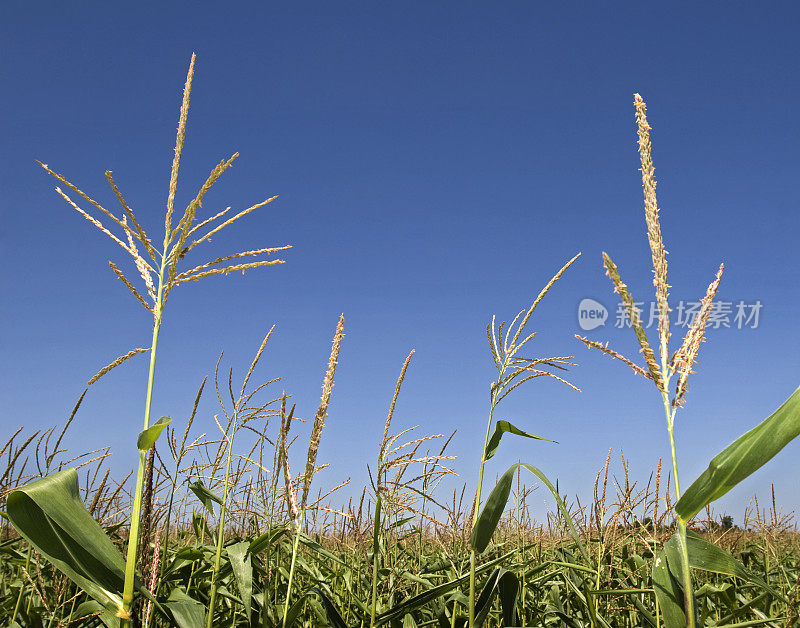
pixel 222 524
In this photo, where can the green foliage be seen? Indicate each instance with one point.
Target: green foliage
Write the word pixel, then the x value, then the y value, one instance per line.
pixel 147 438
pixel 504 427
pixel 206 497
pixel 50 515
pixel 744 456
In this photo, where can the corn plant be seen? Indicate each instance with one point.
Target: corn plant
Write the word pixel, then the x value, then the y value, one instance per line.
pixel 670 374
pixel 179 240
pixel 513 370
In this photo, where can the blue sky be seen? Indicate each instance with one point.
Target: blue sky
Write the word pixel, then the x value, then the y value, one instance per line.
pixel 436 163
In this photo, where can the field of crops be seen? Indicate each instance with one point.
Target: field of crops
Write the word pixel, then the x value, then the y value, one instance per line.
pixel 230 529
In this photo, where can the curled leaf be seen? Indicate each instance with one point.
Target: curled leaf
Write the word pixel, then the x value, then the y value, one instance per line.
pixel 147 438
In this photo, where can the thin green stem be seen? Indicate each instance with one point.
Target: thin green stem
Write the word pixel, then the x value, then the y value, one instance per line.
pixel 688 596
pixel 133 536
pixel 493 396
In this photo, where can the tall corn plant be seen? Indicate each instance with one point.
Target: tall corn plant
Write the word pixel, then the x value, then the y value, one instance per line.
pixel 160 274
pixel 670 373
pixel 513 370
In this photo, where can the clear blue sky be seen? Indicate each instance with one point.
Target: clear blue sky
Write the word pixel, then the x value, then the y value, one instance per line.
pixel 436 163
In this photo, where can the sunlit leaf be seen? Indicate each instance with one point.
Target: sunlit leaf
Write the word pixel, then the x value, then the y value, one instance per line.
pixel 148 437
pixel 744 456
pixel 243 572
pixel 50 515
pixel 668 592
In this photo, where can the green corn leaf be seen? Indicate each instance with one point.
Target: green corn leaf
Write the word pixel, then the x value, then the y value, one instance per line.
pixel 509 593
pixel 376 526
pixel 668 592
pixel 242 568
pixel 316 547
pixel 148 437
pixel 562 507
pixel 95 609
pixel 408 621
pixel 742 457
pixel 419 600
pixel 294 611
pixel 484 602
pixel 334 616
pixel 262 541
pixel 204 495
pixel 672 554
pixel 496 504
pixel 706 556
pixel 492 511
pixel 50 515
pixel 400 523
pixel 504 427
pixel 186 612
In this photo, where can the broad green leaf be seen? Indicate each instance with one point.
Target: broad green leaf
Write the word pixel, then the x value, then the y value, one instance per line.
pixel 50 515
pixel 148 437
pixel 262 541
pixel 200 525
pixel 334 616
pixel 313 545
pixel 484 602
pixel 496 504
pixel 376 526
pixel 186 612
pixel 509 592
pixel 400 523
pixel 708 557
pixel 89 609
pixel 204 495
pixel 562 507
pixel 408 621
pixel 294 611
pixel 742 457
pixel 668 593
pixel 242 568
pixel 673 553
pixel 504 427
pixel 490 515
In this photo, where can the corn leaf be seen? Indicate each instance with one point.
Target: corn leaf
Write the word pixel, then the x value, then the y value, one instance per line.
pixel 504 427
pixel 668 592
pixel 484 602
pixel 509 593
pixel 742 457
pixel 204 495
pixel 147 438
pixel 706 556
pixel 492 511
pixel 243 572
pixel 496 504
pixel 416 601
pixel 186 612
pixel 50 515
pixel 334 616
